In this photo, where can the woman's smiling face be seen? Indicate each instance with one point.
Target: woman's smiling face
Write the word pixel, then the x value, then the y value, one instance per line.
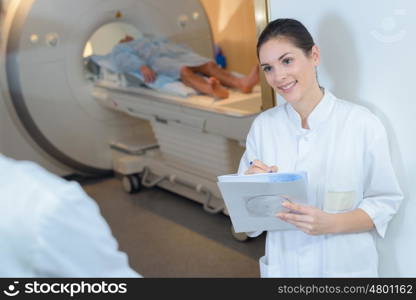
pixel 288 69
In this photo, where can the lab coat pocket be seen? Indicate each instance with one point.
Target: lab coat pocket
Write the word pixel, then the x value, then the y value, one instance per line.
pixel 339 201
pixel 267 270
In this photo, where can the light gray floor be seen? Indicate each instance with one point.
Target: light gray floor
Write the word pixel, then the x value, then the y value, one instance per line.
pixel 166 235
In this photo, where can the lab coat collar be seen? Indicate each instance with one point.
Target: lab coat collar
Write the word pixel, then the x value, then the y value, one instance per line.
pixel 319 114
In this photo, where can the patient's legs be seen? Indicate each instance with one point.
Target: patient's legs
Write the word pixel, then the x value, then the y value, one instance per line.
pixel 244 84
pixel 211 86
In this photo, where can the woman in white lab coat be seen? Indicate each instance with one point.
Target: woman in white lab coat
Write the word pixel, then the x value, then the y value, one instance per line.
pixel 353 191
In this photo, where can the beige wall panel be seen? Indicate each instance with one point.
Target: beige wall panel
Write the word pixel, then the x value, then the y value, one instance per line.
pixel 234 30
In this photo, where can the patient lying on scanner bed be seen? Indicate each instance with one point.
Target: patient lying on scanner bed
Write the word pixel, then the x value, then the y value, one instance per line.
pixel 157 58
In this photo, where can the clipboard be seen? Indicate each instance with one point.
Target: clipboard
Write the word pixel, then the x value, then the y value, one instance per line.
pixel 253 201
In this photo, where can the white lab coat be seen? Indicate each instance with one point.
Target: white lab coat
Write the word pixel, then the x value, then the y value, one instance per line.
pixel 346 155
pixel 50 228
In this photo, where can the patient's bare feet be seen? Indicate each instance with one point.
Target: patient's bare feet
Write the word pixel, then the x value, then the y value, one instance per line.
pixel 217 90
pixel 248 82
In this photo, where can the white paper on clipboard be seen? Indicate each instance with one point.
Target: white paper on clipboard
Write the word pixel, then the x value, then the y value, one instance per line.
pixel 252 201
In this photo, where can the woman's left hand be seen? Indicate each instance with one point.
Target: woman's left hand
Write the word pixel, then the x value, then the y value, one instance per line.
pixel 309 219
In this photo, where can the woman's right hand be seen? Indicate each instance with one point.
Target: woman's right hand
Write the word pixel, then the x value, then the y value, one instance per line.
pixel 257 166
pixel 148 74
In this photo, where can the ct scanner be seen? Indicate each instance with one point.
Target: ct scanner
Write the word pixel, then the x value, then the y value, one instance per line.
pixel 53 115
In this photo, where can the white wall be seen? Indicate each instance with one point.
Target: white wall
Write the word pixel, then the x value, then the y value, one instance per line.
pixel 368 57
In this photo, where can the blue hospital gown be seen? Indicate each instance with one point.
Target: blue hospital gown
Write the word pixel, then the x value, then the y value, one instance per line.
pixel 161 55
